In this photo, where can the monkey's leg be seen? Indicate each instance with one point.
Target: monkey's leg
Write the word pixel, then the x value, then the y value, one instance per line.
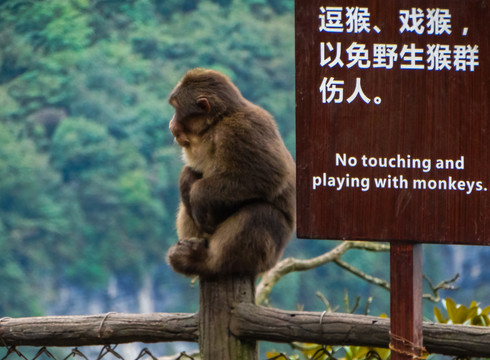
pixel 190 252
pixel 248 242
pixel 186 227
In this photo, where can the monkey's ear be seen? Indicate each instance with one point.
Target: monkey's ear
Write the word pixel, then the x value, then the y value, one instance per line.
pixel 204 105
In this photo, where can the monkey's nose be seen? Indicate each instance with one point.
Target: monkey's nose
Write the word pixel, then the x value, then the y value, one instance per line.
pixel 174 129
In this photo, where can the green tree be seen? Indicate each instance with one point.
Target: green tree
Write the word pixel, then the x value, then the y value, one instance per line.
pixel 29 211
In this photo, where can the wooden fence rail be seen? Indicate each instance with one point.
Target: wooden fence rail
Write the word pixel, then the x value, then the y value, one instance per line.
pixel 247 320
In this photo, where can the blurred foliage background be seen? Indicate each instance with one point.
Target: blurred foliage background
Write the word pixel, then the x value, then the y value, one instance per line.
pixel 88 168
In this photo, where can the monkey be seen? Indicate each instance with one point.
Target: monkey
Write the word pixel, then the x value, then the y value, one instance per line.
pixel 237 206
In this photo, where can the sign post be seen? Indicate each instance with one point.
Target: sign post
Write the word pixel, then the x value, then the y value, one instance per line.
pixel 392 124
pixel 406 301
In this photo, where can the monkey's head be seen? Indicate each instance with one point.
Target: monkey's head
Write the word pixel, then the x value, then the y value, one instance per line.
pixel 200 99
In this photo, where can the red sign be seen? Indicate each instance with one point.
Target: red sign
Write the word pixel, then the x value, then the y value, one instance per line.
pixel 393 120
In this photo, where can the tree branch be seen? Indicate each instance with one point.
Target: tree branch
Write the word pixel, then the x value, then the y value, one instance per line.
pixel 371 279
pixel 443 285
pixel 434 297
pixel 288 265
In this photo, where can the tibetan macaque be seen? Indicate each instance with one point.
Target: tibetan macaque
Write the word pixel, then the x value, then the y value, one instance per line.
pixel 237 187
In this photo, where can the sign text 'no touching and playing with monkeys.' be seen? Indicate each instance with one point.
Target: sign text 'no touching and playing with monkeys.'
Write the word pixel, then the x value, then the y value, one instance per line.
pixel 450 183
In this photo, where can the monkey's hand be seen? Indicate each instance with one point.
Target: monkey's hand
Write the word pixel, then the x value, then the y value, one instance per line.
pixel 187 255
pixel 187 178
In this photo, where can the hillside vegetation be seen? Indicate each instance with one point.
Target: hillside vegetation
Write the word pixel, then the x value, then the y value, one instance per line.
pixel 89 170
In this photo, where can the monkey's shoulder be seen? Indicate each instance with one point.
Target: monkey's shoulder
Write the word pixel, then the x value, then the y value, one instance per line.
pixel 251 125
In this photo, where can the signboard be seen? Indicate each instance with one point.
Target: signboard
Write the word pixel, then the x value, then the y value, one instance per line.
pixel 393 120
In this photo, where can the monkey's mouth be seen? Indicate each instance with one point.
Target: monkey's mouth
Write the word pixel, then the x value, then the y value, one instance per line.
pixel 182 140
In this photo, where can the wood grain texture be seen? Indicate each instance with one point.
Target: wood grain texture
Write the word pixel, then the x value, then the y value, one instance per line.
pixel 247 320
pixel 103 329
pixel 406 301
pixel 218 297
pixel 424 114
pixel 261 323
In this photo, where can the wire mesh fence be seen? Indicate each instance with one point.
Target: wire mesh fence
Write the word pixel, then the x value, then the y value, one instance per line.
pixel 106 352
pixel 110 352
pixel 327 353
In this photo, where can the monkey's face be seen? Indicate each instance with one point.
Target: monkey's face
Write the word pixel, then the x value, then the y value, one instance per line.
pixel 191 118
pixel 178 131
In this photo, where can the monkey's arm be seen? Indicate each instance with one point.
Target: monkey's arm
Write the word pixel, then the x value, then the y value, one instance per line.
pixel 187 178
pixel 213 199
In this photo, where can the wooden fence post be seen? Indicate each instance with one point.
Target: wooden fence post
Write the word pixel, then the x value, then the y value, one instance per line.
pixel 218 298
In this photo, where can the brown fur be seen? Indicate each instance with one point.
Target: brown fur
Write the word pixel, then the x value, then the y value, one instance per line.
pixel 237 186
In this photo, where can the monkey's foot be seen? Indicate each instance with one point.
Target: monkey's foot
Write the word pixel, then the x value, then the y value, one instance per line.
pixel 188 255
